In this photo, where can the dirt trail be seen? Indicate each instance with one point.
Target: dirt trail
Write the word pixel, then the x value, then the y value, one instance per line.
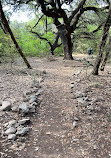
pixel 53 134
pixel 54 119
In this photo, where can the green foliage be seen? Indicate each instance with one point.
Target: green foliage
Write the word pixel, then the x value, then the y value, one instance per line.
pixel 30 44
pixel 7 48
pixel 82 45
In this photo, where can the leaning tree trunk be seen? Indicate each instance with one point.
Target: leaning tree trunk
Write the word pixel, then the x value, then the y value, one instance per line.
pixel 7 27
pixel 102 43
pixel 106 55
pixel 55 44
pixel 66 42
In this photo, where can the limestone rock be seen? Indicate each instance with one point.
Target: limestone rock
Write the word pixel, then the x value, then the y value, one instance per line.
pixel 79 94
pixel 83 102
pixel 15 108
pixel 75 124
pixel 24 121
pixel 12 123
pixel 11 136
pixel 32 99
pixel 23 108
pixel 39 92
pixel 11 130
pixel 6 106
pixel 34 104
pixel 76 118
pixel 32 109
pixel 91 108
pixel 21 131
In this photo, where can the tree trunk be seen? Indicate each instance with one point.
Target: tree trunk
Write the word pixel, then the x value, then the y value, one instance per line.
pixel 66 41
pixel 106 55
pixel 55 44
pixel 102 43
pixel 7 27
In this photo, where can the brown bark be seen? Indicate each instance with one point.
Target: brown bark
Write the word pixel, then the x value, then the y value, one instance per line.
pixel 106 55
pixel 65 36
pixel 102 43
pixel 7 27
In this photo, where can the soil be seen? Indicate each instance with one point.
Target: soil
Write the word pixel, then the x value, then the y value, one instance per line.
pixel 52 133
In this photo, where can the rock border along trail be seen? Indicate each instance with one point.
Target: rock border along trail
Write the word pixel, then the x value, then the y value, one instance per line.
pixel 72 120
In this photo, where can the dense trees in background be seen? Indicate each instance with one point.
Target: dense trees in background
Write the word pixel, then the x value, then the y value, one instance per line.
pixel 77 24
pixel 69 19
pixel 7 28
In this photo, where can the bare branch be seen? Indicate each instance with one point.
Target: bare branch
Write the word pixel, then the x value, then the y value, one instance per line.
pixel 77 9
pixel 37 21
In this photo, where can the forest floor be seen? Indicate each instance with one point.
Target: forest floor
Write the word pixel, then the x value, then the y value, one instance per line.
pixel 74 117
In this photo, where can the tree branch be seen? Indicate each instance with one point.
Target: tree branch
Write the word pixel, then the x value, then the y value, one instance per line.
pixel 78 15
pixel 37 21
pixel 76 10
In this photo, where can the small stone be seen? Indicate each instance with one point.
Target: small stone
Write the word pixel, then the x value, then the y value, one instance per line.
pixel 48 133
pixel 22 131
pixel 24 121
pixel 79 94
pixel 83 102
pixel 94 147
pixel 28 93
pixel 6 124
pixel 15 108
pixel 39 92
pixel 32 109
pixel 72 85
pixel 34 104
pixel 75 124
pixel 74 140
pixel 86 98
pixel 44 72
pixel 25 99
pixel 6 106
pixel 11 136
pixel 91 108
pixel 11 130
pixel 0 103
pixel 76 118
pixel 23 108
pixel 21 139
pixel 78 80
pixel 12 123
pixel 32 99
pixel 36 148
